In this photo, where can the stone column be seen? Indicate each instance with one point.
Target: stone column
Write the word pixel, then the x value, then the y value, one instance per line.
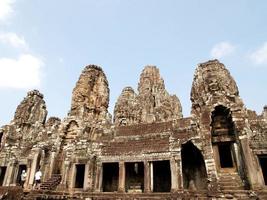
pixel 98 177
pixel 70 175
pixel 52 163
pixel 86 176
pixel 121 177
pixel 65 175
pixel 179 172
pixel 211 169
pixel 147 180
pixel 29 163
pixel 9 173
pixel 151 177
pixel 91 167
pixel 174 174
pixel 34 165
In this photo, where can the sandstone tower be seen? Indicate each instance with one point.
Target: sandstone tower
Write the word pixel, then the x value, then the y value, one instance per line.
pixel 147 151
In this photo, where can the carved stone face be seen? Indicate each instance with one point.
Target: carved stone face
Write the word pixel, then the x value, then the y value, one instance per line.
pixel 152 104
pixel 90 97
pixel 212 78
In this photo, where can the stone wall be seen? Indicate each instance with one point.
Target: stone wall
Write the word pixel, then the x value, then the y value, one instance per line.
pixel 148 132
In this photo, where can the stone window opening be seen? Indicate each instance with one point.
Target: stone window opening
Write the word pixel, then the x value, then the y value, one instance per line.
pixel 79 178
pixel 154 101
pixel 110 180
pixel 225 155
pixel 161 176
pixel 193 167
pixel 222 123
pixel 134 181
pixel 2 174
pixel 20 169
pixel 263 164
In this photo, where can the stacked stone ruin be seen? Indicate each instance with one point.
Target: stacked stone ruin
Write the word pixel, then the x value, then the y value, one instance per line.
pixel 148 151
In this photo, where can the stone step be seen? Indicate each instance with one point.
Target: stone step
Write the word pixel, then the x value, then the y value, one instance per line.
pixel 51 183
pixel 230 183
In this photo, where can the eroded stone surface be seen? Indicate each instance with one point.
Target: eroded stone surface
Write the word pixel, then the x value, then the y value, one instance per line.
pixel 212 80
pixel 152 103
pixel 31 110
pixel 90 97
pixel 149 138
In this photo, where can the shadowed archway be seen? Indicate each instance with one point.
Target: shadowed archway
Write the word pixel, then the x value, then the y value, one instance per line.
pixel 193 167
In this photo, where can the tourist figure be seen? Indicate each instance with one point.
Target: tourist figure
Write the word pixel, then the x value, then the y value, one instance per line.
pixel 23 177
pixel 37 177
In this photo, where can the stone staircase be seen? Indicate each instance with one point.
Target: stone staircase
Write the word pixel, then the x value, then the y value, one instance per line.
pixel 48 185
pixel 51 183
pixel 230 181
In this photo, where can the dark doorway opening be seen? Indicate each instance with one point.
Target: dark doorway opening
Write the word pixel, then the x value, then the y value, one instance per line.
pixel 79 180
pixel 134 177
pixel 193 167
pixel 263 164
pixel 21 168
pixel 2 174
pixel 225 154
pixel 161 176
pixel 110 181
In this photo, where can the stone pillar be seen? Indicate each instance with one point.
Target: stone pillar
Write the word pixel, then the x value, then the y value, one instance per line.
pixel 9 173
pixel 98 177
pixel 174 174
pixel 70 172
pixel 52 163
pixel 86 176
pixel 29 163
pixel 90 180
pixel 121 177
pixel 209 159
pixel 151 177
pixel 147 179
pixel 66 176
pixel 34 165
pixel 179 172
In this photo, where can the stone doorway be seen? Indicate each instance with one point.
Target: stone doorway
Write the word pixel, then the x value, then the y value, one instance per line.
pixel 21 168
pixel 161 176
pixel 110 181
pixel 2 175
pixel 263 164
pixel 79 178
pixel 223 139
pixel 225 155
pixel 193 167
pixel 134 181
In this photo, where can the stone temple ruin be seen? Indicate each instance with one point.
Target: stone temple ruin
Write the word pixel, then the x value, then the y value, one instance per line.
pixel 148 151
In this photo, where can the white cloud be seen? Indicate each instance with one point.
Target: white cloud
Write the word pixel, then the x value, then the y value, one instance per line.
pixel 13 39
pixel 222 49
pixel 6 9
pixel 260 55
pixel 21 73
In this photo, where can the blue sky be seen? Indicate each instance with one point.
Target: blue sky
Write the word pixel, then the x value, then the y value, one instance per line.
pixel 46 44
